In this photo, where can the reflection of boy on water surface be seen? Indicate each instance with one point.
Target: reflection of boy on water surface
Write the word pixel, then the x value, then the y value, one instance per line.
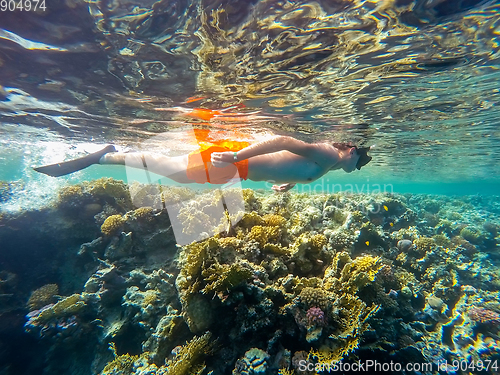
pixel 280 159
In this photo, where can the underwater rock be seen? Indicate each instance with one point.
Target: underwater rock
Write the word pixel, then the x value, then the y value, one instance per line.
pixel 165 334
pixel 198 313
pixel 119 247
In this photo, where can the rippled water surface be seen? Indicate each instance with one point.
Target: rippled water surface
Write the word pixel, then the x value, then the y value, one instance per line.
pixel 419 79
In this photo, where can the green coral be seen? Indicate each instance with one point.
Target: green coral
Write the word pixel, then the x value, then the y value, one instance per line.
pixel 66 307
pixel 220 278
pixel 472 235
pixel 121 365
pixel 442 240
pixel 108 187
pixel 424 244
pixel 189 359
pixel 69 193
pixel 112 224
pixel 191 261
pixel 42 296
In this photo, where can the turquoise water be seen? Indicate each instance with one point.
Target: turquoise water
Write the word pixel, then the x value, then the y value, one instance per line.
pixel 417 80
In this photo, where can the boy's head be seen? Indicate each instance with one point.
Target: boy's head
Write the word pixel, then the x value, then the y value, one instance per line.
pixel 354 157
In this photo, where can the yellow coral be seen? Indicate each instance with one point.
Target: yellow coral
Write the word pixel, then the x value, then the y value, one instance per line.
pixel 108 187
pixel 424 244
pixel 284 371
pixel 122 364
pixel 318 241
pixel 143 212
pixel 68 193
pixel 274 220
pixel 276 249
pixel 68 306
pixel 250 219
pixel 112 224
pixel 229 242
pixel 188 360
pixel 150 298
pixel 263 234
pixel 42 296
pixel 220 278
pixel 353 275
pixel 353 324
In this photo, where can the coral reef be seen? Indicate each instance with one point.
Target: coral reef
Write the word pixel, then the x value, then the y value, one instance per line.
pixel 43 296
pixel 279 280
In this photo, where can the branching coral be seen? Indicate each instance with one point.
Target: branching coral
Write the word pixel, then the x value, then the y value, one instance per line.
pixel 122 364
pixel 424 244
pixel 189 359
pixel 220 278
pixel 353 323
pixel 350 275
pixel 263 234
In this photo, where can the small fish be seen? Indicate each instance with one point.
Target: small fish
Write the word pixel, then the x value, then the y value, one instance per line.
pixel 391 224
pixel 194 99
pixel 367 243
pixel 385 208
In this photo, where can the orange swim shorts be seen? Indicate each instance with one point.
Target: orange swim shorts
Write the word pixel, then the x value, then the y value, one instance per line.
pixel 200 168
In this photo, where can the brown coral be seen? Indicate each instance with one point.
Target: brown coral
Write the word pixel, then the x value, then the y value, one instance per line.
pixel 482 315
pixel 314 297
pixel 424 244
pixel 112 224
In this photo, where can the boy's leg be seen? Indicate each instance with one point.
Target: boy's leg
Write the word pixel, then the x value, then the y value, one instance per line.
pixel 172 167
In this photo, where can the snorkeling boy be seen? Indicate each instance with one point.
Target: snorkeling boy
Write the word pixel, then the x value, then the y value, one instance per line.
pixel 280 159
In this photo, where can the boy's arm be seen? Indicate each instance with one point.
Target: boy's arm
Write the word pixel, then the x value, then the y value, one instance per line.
pixel 274 144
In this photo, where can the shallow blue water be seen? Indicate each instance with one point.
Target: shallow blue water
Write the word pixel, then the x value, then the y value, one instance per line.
pixel 419 80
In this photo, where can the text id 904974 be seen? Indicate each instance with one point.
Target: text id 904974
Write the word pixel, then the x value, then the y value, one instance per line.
pixel 22 6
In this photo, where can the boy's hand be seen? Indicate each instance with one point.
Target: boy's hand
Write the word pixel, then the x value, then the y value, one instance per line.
pixel 282 188
pixel 222 159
